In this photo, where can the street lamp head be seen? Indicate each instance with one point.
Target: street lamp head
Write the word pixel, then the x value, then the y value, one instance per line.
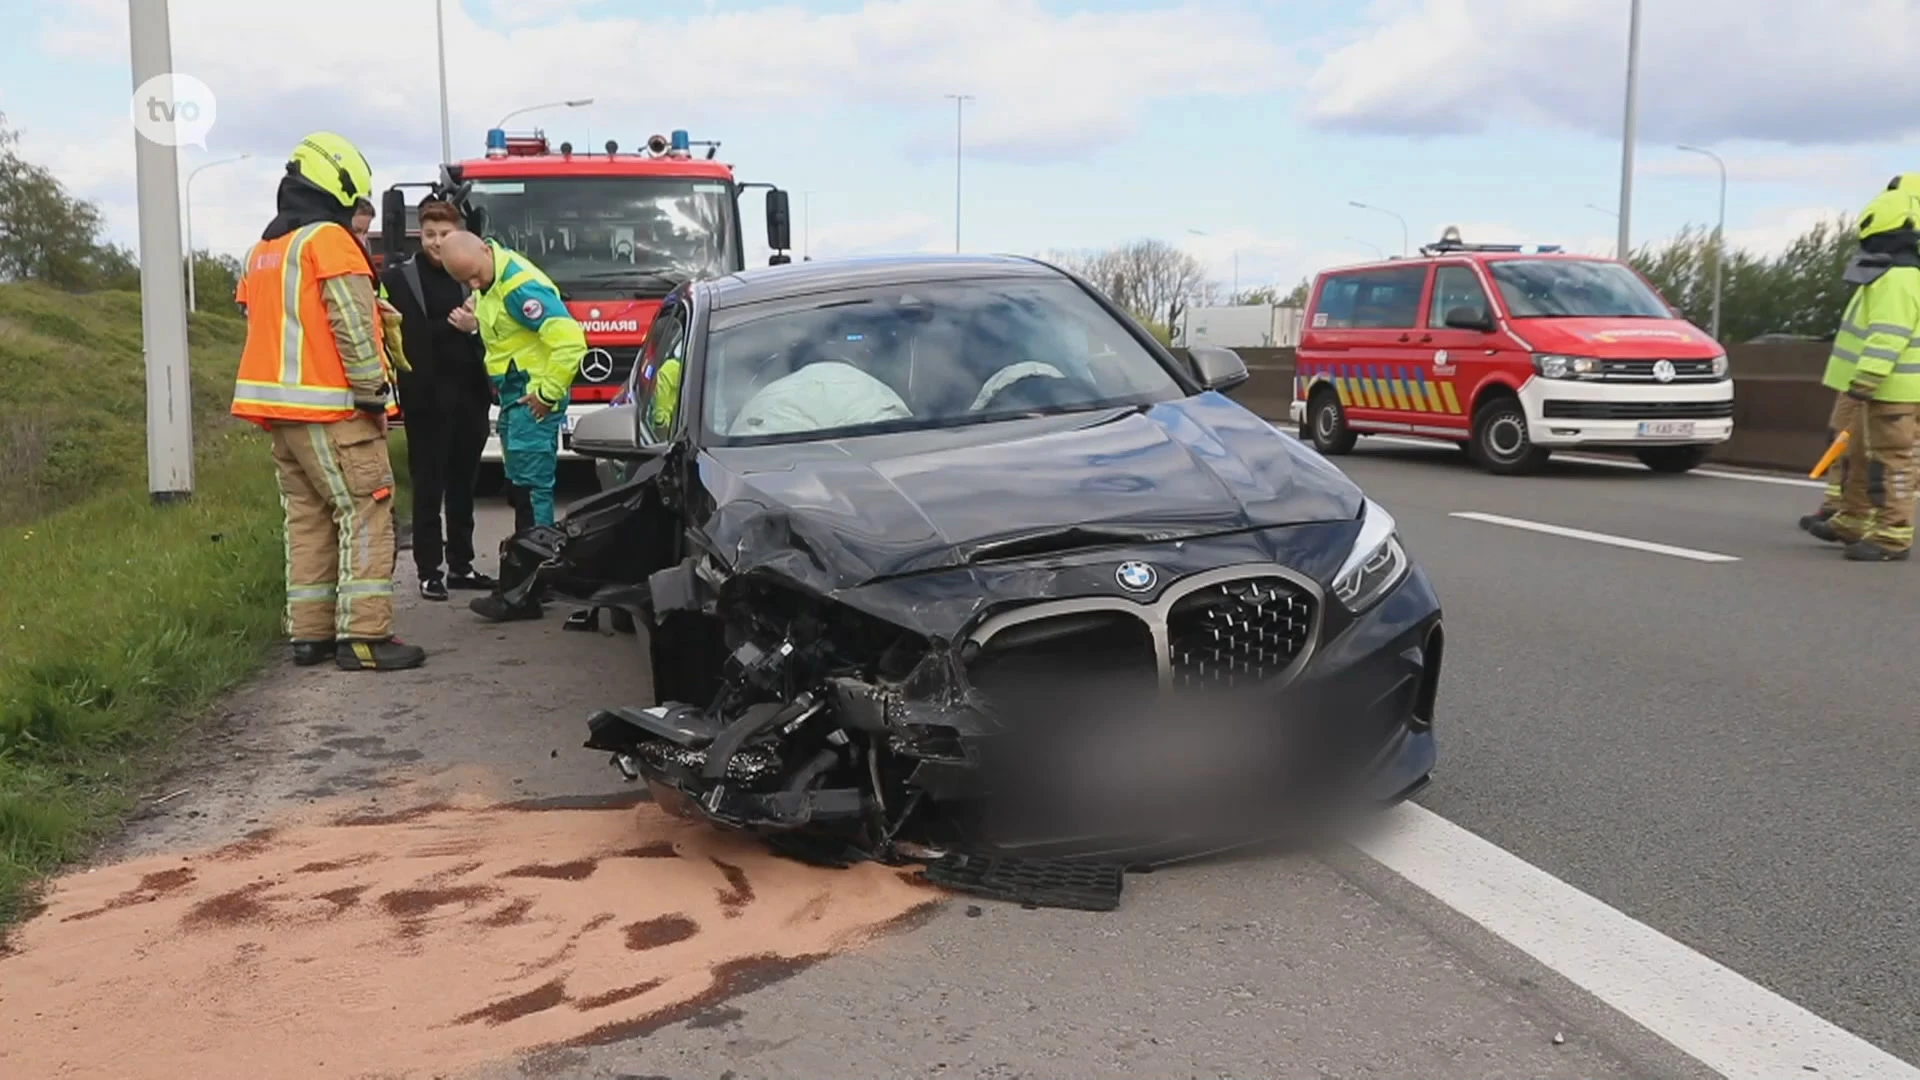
pixel 577 102
pixel 1358 205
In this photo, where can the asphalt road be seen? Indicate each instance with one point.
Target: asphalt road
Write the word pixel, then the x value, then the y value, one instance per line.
pixel 1721 750
pixel 1726 751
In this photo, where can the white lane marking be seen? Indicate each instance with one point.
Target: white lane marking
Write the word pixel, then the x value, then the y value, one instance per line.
pixel 1615 463
pixel 1729 1023
pixel 1597 538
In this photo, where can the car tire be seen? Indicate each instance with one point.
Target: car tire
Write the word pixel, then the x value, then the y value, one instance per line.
pixel 1327 424
pixel 1673 459
pixel 1501 444
pixel 491 480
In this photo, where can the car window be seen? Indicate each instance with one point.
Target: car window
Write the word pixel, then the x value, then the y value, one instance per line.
pixel 1386 298
pixel 662 364
pixel 1455 287
pixel 1574 288
pixel 920 356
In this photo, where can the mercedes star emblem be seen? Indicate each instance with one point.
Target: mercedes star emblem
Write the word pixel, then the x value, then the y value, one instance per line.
pixel 1135 576
pixel 1663 371
pixel 597 365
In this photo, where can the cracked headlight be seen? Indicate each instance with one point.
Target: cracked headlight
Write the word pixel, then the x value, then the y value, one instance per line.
pixel 1375 565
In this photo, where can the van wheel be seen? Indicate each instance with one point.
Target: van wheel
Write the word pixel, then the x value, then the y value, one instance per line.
pixel 1327 424
pixel 1673 459
pixel 1500 441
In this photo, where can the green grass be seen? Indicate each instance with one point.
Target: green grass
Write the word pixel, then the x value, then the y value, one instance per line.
pixel 119 620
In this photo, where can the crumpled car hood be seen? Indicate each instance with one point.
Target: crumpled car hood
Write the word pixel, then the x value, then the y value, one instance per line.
pixel 838 514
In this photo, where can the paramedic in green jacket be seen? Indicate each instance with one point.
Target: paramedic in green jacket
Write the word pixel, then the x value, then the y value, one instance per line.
pixel 534 348
pixel 1875 370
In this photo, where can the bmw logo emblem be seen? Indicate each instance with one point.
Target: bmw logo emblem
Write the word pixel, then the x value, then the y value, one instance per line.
pixel 1135 576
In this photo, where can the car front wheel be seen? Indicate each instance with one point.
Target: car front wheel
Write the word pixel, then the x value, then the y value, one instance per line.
pixel 1500 441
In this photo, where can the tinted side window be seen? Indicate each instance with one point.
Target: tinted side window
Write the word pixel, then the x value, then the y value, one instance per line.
pixel 1334 309
pixel 1455 287
pixel 662 361
pixel 1387 299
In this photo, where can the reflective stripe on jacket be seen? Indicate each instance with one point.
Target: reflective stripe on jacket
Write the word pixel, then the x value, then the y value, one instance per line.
pixel 1876 341
pixel 296 290
pixel 524 324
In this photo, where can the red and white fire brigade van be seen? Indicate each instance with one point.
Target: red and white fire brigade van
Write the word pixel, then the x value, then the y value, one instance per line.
pixel 1512 352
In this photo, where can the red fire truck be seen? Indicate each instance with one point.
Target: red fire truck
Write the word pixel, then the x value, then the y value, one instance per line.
pixel 615 231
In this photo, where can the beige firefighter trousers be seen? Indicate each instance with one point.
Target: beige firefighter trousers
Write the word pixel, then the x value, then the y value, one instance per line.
pixel 1878 486
pixel 336 486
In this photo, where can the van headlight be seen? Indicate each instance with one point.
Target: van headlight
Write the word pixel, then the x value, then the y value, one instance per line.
pixel 1375 565
pixel 1720 366
pixel 1554 366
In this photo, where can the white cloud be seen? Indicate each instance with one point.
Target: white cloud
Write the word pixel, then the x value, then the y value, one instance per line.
pixel 1781 70
pixel 1771 233
pixel 1828 168
pixel 1048 86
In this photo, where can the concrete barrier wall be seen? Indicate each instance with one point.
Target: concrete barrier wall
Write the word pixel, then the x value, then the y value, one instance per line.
pixel 1779 407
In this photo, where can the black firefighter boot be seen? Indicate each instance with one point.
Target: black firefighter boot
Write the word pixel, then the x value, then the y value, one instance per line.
pixel 1811 522
pixel 309 653
pixel 384 654
pixel 1868 551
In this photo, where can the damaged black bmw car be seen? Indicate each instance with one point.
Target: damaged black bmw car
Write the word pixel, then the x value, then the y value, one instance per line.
pixel 949 553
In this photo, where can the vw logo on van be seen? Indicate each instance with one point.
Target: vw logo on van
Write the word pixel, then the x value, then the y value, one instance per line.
pixel 1663 371
pixel 597 365
pixel 1135 576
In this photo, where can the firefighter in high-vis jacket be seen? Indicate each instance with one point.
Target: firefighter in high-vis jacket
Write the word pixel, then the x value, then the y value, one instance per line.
pixel 315 374
pixel 1875 368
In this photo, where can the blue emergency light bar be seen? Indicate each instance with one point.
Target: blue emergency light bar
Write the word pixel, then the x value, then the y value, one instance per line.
pixel 496 142
pixel 681 141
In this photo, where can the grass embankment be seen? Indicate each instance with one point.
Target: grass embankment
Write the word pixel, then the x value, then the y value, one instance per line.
pixel 117 618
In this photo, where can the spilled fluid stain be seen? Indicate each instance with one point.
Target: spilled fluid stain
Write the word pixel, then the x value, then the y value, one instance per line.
pixel 419 941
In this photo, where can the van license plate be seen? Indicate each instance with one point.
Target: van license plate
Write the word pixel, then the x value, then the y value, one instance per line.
pixel 1666 429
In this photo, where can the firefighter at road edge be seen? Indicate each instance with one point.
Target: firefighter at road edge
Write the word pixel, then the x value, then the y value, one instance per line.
pixel 534 348
pixel 1875 367
pixel 315 374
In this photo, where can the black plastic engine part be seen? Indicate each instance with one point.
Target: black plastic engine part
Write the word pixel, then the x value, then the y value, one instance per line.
pixel 1041 883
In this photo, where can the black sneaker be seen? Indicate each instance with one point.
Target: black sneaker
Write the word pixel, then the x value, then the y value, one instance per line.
pixel 493 609
pixel 392 654
pixel 309 653
pixel 1868 551
pixel 433 589
pixel 470 581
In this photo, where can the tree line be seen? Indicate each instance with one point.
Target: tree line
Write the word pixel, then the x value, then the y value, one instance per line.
pixel 1797 291
pixel 49 235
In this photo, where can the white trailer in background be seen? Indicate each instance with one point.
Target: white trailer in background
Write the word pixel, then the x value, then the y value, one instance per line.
pixel 1246 326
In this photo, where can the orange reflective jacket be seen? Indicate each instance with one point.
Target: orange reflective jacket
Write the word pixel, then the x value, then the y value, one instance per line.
pixel 291 369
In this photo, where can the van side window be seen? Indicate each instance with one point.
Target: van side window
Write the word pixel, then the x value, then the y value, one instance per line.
pixel 1385 299
pixel 1334 310
pixel 1455 287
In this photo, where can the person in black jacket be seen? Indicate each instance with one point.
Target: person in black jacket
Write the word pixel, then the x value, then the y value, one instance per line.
pixel 444 399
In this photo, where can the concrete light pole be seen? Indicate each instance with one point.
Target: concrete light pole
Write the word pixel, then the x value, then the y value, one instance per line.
pixel 1627 131
pixel 440 35
pixel 163 302
pixel 192 302
pixel 1405 247
pixel 959 105
pixel 1719 235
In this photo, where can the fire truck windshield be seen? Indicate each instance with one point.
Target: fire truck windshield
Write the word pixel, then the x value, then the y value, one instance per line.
pixel 615 234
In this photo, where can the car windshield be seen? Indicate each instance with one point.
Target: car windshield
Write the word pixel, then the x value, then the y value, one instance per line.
pixel 918 357
pixel 1574 288
pixel 614 233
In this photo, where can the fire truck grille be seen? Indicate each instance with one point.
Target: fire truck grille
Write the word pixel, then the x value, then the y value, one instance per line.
pixel 1238 633
pixel 1637 410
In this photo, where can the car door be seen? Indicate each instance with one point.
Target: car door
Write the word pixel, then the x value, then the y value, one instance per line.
pixel 1383 328
pixel 1456 358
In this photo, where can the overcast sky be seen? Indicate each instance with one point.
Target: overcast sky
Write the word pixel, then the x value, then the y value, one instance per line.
pixel 1225 126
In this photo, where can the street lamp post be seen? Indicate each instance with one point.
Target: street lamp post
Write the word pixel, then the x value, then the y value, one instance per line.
pixel 1368 243
pixel 1615 217
pixel 1404 247
pixel 572 104
pixel 959 104
pixel 440 34
pixel 1236 262
pixel 1627 131
pixel 192 302
pixel 163 313
pixel 1719 235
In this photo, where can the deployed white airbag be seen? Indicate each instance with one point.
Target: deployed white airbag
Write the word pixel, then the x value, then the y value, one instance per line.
pixel 819 397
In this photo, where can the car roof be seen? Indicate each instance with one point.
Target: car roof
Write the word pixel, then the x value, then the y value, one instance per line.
pixel 826 275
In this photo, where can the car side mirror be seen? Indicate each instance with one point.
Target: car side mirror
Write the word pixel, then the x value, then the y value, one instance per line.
pixel 613 432
pixel 1217 368
pixel 1469 318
